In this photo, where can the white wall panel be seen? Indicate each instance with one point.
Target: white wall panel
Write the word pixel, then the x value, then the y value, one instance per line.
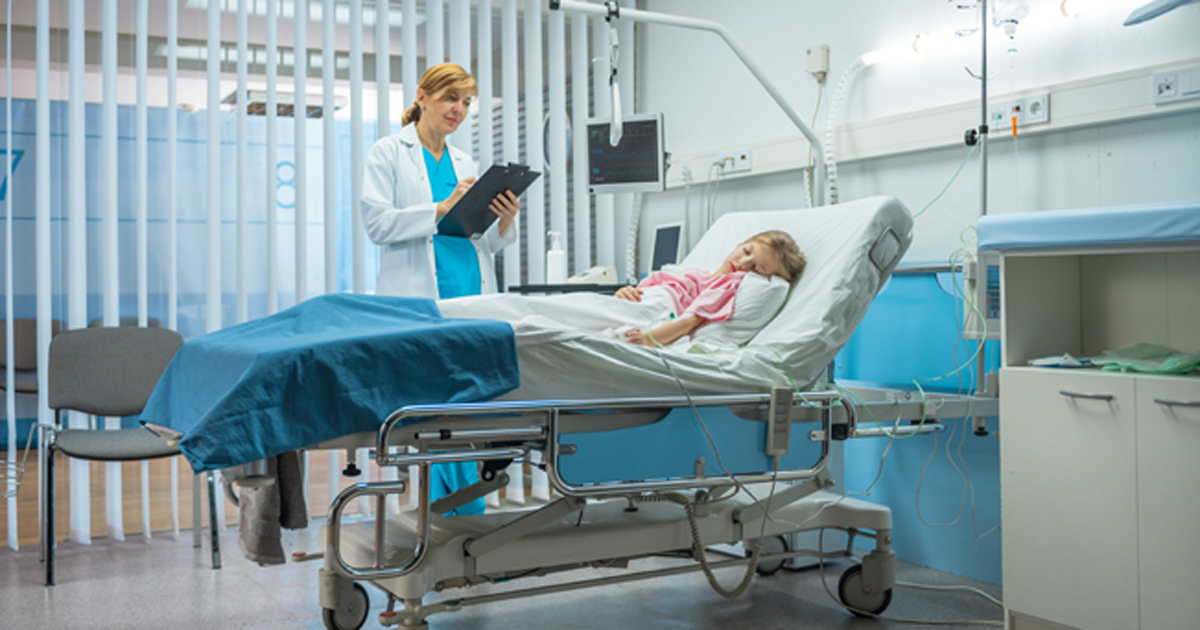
pixel 435 33
pixel 300 158
pixel 357 244
pixel 556 53
pixel 329 148
pixel 77 277
pixel 580 67
pixel 510 124
pixel 270 176
pixel 535 204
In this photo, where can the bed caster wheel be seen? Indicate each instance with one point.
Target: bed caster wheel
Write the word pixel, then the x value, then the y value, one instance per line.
pixel 770 546
pixel 352 614
pixel 858 597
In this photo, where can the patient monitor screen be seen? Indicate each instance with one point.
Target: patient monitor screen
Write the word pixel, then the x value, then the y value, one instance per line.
pixel 635 164
pixel 666 246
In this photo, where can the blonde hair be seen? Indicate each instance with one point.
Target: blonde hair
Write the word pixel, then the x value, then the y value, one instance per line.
pixel 441 77
pixel 791 260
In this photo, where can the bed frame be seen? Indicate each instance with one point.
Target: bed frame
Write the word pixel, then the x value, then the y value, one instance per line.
pixel 596 524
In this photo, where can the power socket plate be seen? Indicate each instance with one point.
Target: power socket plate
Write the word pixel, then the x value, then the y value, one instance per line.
pixel 1172 86
pixel 734 161
pixel 1029 110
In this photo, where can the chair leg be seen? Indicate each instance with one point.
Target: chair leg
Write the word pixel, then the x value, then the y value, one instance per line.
pixel 197 527
pixel 212 520
pixel 48 526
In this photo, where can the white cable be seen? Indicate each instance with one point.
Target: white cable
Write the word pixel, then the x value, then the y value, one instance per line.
pixel 710 202
pixel 808 187
pixel 921 482
pixel 685 247
pixel 961 254
pixel 631 240
pixel 951 587
pixel 831 126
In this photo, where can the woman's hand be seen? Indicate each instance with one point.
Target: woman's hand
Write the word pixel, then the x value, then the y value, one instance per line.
pixel 506 206
pixel 632 294
pixel 446 204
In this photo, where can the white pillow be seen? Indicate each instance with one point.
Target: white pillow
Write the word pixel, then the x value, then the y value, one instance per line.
pixel 758 299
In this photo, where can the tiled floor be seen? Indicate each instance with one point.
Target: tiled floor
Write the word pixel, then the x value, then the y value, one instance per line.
pixel 166 583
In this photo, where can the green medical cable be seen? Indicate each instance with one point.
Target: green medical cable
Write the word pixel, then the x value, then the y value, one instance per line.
pixel 949 183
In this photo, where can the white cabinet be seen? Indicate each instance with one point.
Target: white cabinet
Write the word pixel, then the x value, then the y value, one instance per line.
pixel 1169 501
pixel 1100 484
pixel 1068 490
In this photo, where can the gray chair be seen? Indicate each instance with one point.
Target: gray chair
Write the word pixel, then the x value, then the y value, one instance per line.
pixel 107 372
pixel 127 320
pixel 24 353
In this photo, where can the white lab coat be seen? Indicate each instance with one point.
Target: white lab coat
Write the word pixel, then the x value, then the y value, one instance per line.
pixel 400 216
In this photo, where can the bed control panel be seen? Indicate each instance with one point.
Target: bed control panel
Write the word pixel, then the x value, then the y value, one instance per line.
pixel 779 421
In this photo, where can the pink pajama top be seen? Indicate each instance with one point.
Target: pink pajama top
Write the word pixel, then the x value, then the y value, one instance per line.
pixel 695 293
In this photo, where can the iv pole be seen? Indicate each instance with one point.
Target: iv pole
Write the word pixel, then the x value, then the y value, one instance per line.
pixel 980 135
pixel 705 25
pixel 983 115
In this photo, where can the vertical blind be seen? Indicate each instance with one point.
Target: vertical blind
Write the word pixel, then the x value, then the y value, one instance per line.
pixel 186 201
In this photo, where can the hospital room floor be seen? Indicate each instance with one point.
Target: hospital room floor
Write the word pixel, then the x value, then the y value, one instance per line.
pixel 166 583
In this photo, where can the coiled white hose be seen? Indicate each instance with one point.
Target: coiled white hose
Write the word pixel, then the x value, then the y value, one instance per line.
pixel 631 240
pixel 831 126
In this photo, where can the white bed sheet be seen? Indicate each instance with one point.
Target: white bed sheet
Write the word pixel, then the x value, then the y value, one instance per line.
pixel 564 353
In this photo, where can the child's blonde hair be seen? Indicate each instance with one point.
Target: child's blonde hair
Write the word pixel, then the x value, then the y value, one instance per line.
pixel 791 259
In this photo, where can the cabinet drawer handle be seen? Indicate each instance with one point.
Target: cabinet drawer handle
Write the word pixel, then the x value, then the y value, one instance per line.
pixel 1071 394
pixel 1177 403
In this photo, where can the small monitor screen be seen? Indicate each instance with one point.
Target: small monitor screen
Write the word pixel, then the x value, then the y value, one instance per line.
pixel 635 164
pixel 666 246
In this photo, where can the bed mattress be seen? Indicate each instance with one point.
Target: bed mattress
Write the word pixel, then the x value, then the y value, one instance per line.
pixel 851 250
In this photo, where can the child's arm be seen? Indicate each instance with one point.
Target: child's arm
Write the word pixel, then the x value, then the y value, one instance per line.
pixel 631 294
pixel 667 333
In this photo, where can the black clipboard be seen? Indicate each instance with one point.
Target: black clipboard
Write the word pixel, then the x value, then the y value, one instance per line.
pixel 471 214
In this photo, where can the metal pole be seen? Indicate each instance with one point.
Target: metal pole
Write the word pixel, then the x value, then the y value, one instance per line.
pixel 981 362
pixel 705 25
pixel 983 106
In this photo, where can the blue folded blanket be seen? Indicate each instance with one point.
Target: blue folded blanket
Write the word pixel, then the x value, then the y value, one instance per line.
pixel 327 367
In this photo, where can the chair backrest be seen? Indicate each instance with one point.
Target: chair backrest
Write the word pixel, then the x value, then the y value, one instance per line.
pixel 24 342
pixel 127 320
pixel 108 371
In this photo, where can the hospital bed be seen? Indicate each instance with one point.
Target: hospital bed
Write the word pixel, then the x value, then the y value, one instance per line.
pixel 649 452
pixel 680 462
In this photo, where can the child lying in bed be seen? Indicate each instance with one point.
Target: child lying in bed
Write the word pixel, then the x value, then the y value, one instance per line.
pixel 698 297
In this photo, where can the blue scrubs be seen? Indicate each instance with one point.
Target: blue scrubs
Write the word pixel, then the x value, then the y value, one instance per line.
pixel 454 256
pixel 458 274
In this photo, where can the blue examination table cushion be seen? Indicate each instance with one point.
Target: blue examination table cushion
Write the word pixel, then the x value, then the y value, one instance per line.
pixel 1116 226
pixel 327 367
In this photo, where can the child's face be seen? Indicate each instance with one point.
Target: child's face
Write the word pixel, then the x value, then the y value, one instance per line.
pixel 751 256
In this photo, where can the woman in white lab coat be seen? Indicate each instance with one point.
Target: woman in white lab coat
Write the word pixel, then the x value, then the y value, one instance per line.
pixel 411 180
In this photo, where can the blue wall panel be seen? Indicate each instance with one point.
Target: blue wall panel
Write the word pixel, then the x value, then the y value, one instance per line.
pixel 911 332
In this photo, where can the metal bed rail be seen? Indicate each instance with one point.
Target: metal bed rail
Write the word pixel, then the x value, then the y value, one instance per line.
pixel 541 429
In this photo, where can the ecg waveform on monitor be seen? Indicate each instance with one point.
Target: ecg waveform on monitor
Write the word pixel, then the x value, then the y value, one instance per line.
pixel 634 160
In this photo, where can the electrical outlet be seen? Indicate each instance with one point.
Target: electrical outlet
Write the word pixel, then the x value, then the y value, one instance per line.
pixel 1028 110
pixel 1165 86
pixel 1176 85
pixel 734 161
pixel 1036 110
